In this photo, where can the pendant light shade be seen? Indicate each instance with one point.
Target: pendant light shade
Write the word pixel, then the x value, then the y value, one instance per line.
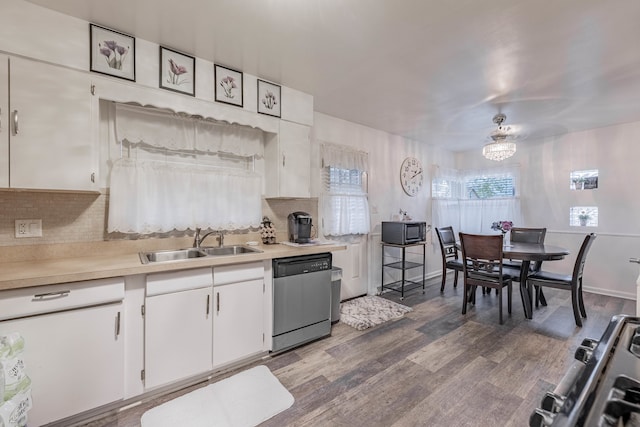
pixel 500 148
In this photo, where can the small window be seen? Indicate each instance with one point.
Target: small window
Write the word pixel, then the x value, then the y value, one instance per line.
pixel 490 187
pixel 442 188
pixel 584 180
pixel 583 216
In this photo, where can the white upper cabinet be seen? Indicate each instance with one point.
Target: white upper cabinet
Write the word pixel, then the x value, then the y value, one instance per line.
pixel 288 162
pixel 50 129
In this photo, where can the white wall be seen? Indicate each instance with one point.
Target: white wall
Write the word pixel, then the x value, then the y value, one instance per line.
pixel 546 199
pixel 386 197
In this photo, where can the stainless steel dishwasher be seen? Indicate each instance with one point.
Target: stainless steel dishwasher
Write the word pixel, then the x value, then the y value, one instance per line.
pixel 301 299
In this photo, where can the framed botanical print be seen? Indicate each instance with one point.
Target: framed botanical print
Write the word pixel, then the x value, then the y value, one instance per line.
pixel 177 71
pixel 228 87
pixel 112 53
pixel 269 101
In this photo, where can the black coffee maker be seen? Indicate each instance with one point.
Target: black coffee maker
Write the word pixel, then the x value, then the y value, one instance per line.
pixel 299 227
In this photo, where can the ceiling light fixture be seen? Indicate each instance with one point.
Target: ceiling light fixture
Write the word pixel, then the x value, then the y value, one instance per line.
pixel 499 149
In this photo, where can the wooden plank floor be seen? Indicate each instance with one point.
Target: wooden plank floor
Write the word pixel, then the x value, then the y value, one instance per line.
pixel 433 367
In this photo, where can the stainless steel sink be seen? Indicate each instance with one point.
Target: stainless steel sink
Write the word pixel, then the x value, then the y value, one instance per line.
pixel 190 253
pixel 228 250
pixel 171 255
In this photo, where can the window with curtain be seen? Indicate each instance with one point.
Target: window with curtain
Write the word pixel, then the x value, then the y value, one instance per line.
pixel 472 200
pixel 177 172
pixel 345 207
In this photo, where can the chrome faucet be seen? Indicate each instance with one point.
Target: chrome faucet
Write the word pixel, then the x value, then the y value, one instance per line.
pixel 197 240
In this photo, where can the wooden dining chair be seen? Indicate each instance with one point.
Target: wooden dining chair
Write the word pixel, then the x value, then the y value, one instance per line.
pixel 572 282
pixel 449 250
pixel 527 235
pixel 483 266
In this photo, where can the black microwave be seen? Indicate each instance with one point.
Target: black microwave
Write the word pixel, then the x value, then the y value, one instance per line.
pixel 403 232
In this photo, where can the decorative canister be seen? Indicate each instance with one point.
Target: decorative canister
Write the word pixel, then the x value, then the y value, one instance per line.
pixel 267 231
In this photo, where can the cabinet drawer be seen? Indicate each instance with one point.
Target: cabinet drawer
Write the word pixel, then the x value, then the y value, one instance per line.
pixel 238 273
pixel 47 299
pixel 177 281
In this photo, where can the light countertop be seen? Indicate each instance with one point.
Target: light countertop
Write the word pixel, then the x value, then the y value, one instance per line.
pixel 22 274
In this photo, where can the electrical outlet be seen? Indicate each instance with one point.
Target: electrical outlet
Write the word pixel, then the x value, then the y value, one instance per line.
pixel 28 228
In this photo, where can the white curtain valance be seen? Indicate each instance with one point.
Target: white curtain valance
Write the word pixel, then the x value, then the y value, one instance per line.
pixel 158 197
pixel 344 157
pixel 180 132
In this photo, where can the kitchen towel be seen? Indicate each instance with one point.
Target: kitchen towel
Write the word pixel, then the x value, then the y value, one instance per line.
pixel 245 399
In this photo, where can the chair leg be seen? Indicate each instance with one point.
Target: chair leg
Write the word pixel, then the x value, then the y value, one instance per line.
pixel 464 300
pixel 574 303
pixel 444 279
pixel 583 312
pixel 537 292
pixel 543 300
pixel 455 279
pixel 499 290
pixel 509 294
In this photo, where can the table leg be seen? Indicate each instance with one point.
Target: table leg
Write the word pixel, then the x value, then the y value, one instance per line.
pixel 525 292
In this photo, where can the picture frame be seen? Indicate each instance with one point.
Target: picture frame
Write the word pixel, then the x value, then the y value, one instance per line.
pixel 269 101
pixel 177 71
pixel 229 85
pixel 112 53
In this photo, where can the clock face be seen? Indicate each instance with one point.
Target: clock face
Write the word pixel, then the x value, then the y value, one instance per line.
pixel 411 176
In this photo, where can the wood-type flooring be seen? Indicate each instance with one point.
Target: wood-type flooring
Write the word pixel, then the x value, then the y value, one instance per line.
pixel 433 367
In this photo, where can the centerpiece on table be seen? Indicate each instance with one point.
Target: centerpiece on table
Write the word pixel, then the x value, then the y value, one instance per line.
pixel 502 226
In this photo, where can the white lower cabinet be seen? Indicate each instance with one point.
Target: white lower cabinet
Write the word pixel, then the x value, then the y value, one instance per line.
pixel 178 327
pixel 75 357
pixel 238 321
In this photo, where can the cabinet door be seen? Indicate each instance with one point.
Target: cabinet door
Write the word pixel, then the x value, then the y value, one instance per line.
pixel 295 150
pixel 4 121
pixel 51 142
pixel 178 335
pixel 288 162
pixel 238 323
pixel 75 360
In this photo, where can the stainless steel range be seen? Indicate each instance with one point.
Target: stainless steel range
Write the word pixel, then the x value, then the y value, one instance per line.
pixel 602 387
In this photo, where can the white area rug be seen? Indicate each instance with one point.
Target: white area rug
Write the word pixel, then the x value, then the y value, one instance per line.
pixel 365 312
pixel 245 399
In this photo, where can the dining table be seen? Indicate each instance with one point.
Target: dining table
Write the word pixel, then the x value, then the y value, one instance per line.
pixel 527 253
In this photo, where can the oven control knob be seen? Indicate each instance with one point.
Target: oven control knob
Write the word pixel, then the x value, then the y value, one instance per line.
pixel 541 418
pixel 588 342
pixel 583 354
pixel 552 402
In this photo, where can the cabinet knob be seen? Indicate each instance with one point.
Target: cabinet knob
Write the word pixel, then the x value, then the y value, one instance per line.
pixel 93 177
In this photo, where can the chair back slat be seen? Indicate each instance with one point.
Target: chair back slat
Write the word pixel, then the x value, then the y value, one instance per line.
pixel 447 240
pixel 528 235
pixel 482 257
pixel 581 259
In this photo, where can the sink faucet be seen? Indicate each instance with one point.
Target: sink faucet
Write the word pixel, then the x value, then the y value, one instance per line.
pixel 197 240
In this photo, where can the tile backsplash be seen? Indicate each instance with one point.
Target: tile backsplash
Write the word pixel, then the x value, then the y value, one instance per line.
pixel 80 217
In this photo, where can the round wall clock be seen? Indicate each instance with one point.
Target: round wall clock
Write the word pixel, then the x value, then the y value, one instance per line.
pixel 411 176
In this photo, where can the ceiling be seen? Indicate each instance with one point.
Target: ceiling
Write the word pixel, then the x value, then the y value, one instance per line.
pixel 434 71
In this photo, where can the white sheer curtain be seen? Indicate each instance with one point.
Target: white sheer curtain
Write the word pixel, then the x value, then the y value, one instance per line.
pixel 455 202
pixel 345 207
pixel 166 178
